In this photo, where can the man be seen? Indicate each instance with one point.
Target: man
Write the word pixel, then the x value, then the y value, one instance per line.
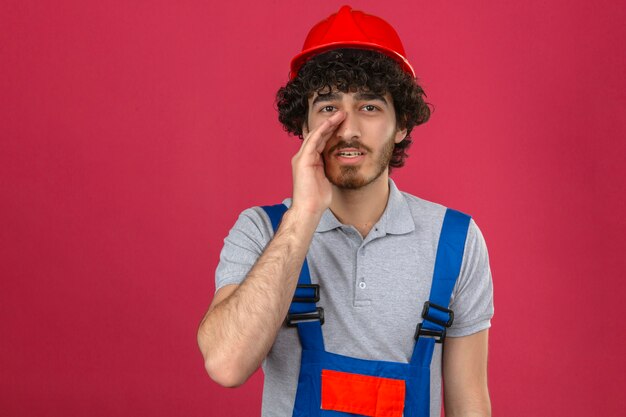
pixel 354 100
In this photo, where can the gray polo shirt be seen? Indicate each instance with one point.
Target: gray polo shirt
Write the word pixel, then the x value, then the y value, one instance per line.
pixel 372 289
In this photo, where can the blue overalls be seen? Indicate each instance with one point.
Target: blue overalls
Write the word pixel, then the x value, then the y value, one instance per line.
pixel 335 385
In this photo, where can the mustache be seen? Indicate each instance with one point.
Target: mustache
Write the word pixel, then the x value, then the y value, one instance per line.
pixel 342 144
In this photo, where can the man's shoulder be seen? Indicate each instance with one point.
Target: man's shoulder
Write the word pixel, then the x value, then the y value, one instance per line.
pixel 429 215
pixel 421 208
pixel 421 203
pixel 253 220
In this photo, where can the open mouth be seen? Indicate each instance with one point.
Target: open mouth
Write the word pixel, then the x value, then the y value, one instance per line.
pixel 349 154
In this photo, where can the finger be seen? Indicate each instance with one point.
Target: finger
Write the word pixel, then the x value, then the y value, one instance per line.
pixel 318 137
pixel 330 123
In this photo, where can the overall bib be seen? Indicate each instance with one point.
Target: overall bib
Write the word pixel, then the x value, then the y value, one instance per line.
pixel 335 385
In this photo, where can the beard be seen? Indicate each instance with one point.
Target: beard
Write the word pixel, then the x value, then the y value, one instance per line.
pixel 350 178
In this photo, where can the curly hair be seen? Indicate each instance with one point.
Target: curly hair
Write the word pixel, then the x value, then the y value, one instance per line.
pixel 349 69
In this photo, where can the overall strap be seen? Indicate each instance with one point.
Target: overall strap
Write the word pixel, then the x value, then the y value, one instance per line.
pixel 303 312
pixel 436 315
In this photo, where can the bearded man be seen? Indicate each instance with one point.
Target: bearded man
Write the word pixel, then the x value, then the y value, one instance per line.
pixel 347 292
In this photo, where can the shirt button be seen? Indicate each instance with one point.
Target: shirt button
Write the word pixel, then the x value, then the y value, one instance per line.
pixel 362 285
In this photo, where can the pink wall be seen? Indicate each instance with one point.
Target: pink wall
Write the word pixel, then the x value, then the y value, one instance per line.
pixel 133 133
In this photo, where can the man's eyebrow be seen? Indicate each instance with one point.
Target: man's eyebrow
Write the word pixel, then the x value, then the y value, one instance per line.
pixel 321 98
pixel 360 96
pixel 366 95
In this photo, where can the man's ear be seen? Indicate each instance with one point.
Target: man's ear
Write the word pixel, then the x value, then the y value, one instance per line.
pixel 400 135
pixel 401 132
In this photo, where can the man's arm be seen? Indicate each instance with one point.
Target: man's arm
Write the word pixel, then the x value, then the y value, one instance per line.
pixel 243 320
pixel 465 376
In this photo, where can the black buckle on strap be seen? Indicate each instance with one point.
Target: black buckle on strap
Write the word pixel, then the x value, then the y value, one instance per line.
pixel 295 318
pixel 428 305
pixel 438 335
pixel 314 299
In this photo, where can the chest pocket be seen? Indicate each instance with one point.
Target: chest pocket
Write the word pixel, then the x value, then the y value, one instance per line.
pixel 362 395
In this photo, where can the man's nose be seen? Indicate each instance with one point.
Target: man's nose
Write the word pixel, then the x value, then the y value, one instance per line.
pixel 349 128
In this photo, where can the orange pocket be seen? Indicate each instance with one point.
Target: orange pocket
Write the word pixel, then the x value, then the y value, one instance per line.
pixel 362 394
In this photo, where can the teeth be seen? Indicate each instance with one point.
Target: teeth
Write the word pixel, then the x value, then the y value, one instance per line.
pixel 350 153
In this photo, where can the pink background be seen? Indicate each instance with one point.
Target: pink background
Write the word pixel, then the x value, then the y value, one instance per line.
pixel 133 133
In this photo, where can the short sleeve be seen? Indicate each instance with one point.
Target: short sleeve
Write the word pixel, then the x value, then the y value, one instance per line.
pixel 243 246
pixel 472 296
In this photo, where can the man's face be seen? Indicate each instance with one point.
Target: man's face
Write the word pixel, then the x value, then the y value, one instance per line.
pixel 360 149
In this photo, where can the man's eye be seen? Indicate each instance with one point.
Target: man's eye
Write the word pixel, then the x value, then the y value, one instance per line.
pixel 327 109
pixel 370 107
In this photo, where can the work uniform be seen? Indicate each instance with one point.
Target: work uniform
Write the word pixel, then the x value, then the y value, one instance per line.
pixel 372 289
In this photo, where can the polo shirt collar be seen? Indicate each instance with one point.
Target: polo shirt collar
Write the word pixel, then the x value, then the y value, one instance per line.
pixel 328 222
pixel 396 219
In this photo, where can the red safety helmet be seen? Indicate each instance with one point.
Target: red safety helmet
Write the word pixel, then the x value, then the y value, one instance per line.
pixel 352 29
